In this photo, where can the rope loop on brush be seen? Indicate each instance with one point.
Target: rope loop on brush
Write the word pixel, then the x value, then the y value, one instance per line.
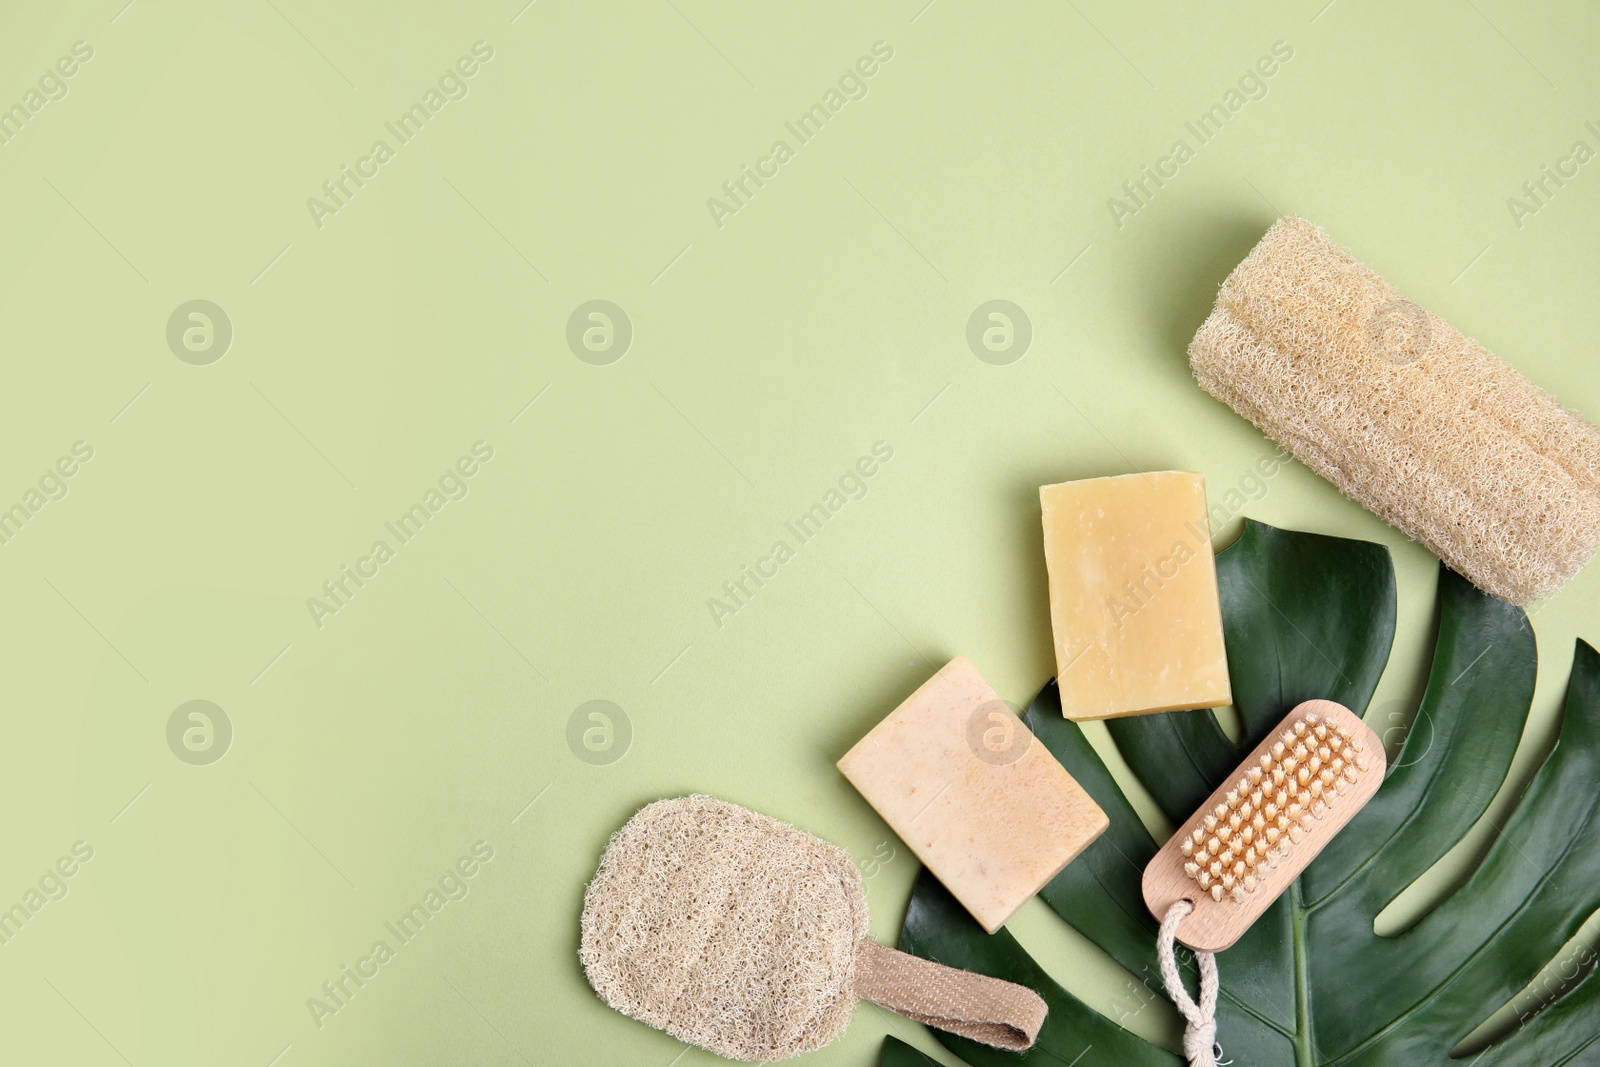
pixel 1200 1046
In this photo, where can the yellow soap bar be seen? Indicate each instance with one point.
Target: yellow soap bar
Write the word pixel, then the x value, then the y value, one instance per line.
pixel 1133 595
pixel 969 789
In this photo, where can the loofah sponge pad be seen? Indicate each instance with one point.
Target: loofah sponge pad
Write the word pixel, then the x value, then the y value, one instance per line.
pixel 725 928
pixel 1416 422
pixel 745 936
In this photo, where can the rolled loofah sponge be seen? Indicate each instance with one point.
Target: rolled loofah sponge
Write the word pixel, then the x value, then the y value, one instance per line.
pixel 1411 419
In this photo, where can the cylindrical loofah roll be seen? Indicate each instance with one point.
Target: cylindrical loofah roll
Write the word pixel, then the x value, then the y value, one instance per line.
pixel 1413 420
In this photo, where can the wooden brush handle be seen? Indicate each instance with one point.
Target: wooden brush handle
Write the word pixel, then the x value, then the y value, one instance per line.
pixel 1215 924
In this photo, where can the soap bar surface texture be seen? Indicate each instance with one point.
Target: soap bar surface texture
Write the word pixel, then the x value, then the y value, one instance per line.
pixel 969 789
pixel 1133 595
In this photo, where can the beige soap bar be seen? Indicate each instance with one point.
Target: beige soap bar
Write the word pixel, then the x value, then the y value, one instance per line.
pixel 1133 595
pixel 969 789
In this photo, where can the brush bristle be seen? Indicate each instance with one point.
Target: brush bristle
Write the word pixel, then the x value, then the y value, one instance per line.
pixel 1232 849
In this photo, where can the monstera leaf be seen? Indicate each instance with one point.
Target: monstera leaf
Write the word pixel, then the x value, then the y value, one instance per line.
pixel 1311 984
pixel 897 1053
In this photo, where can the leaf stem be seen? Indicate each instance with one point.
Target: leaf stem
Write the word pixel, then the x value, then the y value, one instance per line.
pixel 1302 987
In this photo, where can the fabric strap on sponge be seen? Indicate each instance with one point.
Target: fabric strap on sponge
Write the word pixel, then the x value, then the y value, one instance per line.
pixel 975 1006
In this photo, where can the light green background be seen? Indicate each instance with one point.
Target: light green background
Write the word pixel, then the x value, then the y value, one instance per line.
pixel 768 355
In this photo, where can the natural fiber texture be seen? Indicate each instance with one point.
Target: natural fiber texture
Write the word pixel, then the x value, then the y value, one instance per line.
pixel 984 1009
pixel 1200 1034
pixel 1418 423
pixel 747 937
pixel 725 928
